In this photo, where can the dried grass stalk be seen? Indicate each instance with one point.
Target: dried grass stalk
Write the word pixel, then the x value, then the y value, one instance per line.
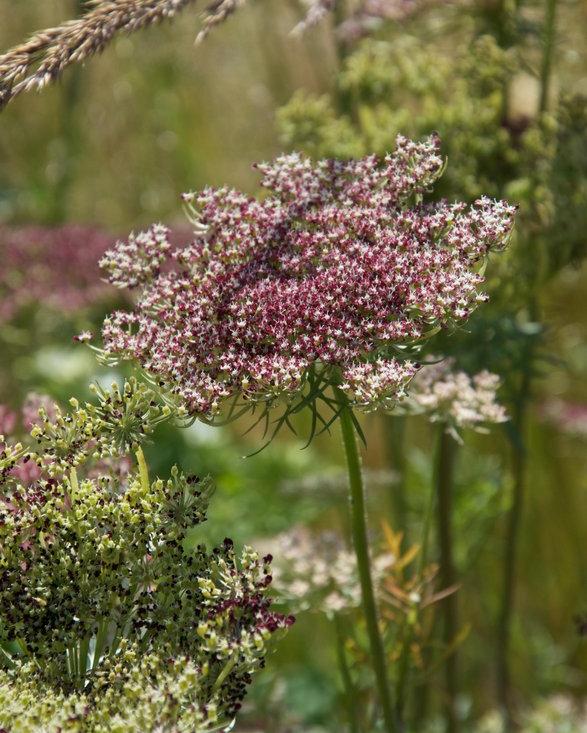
pixel 217 12
pixel 45 56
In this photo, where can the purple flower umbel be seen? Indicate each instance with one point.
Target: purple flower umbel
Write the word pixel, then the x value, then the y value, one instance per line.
pixel 318 282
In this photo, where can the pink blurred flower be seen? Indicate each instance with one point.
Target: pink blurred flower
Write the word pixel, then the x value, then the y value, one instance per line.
pixel 53 267
pixel 8 419
pixel 570 417
pixel 367 15
pixel 30 409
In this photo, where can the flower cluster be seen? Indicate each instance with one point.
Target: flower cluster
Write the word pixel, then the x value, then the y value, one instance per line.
pixel 336 483
pixel 105 611
pixel 56 267
pixel 116 424
pixel 12 425
pixel 322 279
pixel 153 692
pixel 556 714
pixel 457 398
pixel 315 572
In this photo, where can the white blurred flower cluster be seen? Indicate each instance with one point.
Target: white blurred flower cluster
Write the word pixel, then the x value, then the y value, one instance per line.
pixel 336 483
pixel 557 714
pixel 316 572
pixel 457 398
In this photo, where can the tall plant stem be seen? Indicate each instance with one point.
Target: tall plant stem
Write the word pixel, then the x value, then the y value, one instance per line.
pixel 409 627
pixel 519 470
pixel 444 478
pixel 506 32
pixel 548 42
pixel 345 674
pixel 344 97
pixel 70 136
pixel 338 18
pixel 361 545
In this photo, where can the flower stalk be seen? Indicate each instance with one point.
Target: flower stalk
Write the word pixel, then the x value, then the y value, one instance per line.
pixel 361 545
pixel 395 429
pixel 444 470
pixel 510 564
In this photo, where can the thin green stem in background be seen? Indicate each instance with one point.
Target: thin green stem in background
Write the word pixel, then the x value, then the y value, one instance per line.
pixel 519 463
pixel 407 633
pixel 69 137
pixel 444 479
pixel 519 471
pixel 101 642
pixel 350 697
pixel 361 546
pixel 394 431
pixel 548 42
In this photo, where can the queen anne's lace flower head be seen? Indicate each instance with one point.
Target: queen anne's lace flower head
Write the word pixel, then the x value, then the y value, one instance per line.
pixel 457 398
pixel 320 281
pixel 105 612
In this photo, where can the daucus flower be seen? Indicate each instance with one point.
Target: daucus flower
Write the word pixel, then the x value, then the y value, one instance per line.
pixel 321 282
pixel 457 398
pixel 105 613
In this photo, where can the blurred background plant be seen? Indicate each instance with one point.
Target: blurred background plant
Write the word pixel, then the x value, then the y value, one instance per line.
pixel 112 145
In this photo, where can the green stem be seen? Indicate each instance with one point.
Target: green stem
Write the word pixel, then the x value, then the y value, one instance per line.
pixel 143 469
pixel 519 470
pixel 445 462
pixel 345 674
pixel 74 483
pixel 344 98
pixel 84 647
pixel 338 18
pixel 361 545
pixel 226 670
pixel 395 428
pixel 409 624
pixel 101 639
pixel 70 130
pixel 6 657
pixel 548 41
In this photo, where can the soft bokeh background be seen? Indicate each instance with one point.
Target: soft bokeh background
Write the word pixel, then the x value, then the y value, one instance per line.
pixel 112 145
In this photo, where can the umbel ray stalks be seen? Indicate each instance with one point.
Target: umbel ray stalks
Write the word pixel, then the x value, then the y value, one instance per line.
pixel 44 57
